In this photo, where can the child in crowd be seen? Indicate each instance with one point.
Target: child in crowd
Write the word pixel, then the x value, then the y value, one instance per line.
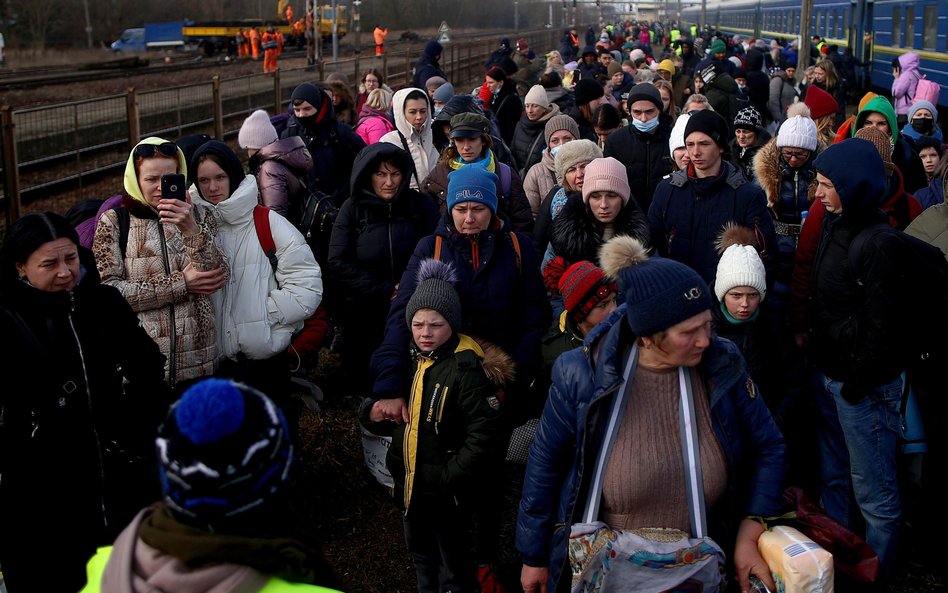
pixel 445 436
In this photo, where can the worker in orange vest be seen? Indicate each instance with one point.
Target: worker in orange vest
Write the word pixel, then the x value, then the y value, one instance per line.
pixel 270 48
pixel 243 46
pixel 254 42
pixel 289 15
pixel 380 35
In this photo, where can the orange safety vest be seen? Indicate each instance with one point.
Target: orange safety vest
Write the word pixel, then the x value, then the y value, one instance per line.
pixel 380 35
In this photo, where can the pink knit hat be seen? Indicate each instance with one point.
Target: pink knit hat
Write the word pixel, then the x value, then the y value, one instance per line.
pixel 606 174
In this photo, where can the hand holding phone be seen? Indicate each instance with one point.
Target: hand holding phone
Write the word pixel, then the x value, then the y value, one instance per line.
pixel 177 212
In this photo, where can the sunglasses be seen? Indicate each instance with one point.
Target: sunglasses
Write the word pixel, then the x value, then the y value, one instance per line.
pixel 146 151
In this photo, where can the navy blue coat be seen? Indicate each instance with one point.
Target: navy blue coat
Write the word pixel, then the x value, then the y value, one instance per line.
pixel 687 215
pixel 502 301
pixel 573 425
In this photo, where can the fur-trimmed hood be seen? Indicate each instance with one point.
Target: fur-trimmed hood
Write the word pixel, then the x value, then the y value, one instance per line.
pixel 768 172
pixel 577 235
pixel 500 368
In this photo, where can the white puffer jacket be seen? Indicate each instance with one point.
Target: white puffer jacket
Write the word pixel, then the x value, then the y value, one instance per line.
pixel 259 311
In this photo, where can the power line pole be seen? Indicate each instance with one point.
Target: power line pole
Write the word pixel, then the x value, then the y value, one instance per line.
pixel 803 60
pixel 704 15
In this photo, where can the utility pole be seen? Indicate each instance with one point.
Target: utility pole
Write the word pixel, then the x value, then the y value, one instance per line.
pixel 335 31
pixel 704 15
pixel 803 59
pixel 85 6
pixel 517 16
pixel 312 45
pixel 358 24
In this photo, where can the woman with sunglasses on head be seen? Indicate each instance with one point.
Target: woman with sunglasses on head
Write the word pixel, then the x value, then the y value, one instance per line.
pixel 160 254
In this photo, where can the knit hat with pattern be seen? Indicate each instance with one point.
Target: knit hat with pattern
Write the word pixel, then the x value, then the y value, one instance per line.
pixel 560 122
pixel 606 174
pixel 573 153
pixel 224 453
pixel 797 132
pixel 583 286
pixel 257 131
pixel 740 265
pixel 748 119
pixel 883 145
pixel 435 290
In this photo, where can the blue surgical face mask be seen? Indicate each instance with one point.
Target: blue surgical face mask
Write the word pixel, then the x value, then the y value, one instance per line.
pixel 437 110
pixel 555 150
pixel 645 127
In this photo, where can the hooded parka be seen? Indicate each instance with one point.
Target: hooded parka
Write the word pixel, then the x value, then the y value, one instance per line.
pixel 418 142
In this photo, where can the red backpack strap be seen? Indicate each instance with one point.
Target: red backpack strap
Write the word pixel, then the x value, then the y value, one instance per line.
pixel 437 249
pixel 261 224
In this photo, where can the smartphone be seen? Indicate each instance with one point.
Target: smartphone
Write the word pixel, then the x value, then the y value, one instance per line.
pixel 173 187
pixel 757 585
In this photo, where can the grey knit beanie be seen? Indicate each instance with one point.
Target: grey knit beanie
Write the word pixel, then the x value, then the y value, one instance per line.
pixel 435 290
pixel 572 153
pixel 560 122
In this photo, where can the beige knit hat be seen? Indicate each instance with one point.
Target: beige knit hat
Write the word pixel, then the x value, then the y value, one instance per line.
pixel 606 174
pixel 560 122
pixel 256 131
pixel 573 153
pixel 883 145
pixel 537 96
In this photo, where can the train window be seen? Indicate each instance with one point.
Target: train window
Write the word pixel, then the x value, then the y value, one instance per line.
pixel 896 27
pixel 831 23
pixel 909 26
pixel 930 30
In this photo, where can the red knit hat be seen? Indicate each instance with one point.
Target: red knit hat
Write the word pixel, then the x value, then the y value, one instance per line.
pixel 583 286
pixel 820 102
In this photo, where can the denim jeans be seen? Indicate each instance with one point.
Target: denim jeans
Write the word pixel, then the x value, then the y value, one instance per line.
pixel 858 450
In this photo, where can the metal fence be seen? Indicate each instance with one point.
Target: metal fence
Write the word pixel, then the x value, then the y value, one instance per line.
pixel 55 156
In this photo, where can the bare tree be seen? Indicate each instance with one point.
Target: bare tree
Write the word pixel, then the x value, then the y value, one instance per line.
pixel 37 18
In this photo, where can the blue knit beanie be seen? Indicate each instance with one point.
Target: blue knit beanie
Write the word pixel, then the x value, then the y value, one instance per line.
pixel 472 183
pixel 660 293
pixel 224 452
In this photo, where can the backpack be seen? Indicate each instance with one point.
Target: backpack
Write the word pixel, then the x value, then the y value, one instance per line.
pixel 927 90
pixel 317 215
pixel 926 272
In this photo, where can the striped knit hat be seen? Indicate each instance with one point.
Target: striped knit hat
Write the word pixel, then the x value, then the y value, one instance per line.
pixel 582 285
pixel 224 452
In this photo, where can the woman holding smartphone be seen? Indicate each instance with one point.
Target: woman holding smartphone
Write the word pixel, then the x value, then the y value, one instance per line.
pixel 159 252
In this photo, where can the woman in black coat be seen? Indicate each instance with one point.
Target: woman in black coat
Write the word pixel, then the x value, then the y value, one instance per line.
pixel 68 340
pixel 373 238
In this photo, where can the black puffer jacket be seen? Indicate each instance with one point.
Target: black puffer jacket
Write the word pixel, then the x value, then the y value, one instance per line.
pixel 62 400
pixel 373 238
pixel 528 141
pixel 577 235
pixel 645 157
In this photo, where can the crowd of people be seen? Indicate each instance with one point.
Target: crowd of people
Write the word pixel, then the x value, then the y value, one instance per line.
pixel 651 258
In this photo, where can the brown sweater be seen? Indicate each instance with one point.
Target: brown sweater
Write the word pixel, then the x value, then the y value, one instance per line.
pixel 644 482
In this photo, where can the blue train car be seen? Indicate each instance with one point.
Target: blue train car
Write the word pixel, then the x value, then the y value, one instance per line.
pixel 877 31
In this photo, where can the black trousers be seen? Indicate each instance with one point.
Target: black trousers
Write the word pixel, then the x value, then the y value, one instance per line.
pixel 438 536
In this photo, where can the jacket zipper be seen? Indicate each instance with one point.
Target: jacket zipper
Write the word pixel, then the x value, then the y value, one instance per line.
pixel 95 432
pixel 391 250
pixel 172 362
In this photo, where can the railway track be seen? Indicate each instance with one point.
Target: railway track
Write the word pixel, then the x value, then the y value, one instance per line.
pixel 41 77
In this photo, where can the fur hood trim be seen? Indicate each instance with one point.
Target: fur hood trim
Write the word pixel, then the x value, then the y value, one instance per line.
pixel 499 366
pixel 619 253
pixel 577 235
pixel 735 234
pixel 767 172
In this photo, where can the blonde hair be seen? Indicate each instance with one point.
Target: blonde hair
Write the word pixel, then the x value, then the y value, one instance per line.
pixel 380 99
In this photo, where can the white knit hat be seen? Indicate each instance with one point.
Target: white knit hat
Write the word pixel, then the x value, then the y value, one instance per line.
pixel 797 132
pixel 677 138
pixel 257 131
pixel 606 174
pixel 537 96
pixel 740 265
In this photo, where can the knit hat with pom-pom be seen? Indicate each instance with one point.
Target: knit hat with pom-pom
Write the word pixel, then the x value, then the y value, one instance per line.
pixel 740 264
pixel 582 285
pixel 224 452
pixel 435 290
pixel 657 291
